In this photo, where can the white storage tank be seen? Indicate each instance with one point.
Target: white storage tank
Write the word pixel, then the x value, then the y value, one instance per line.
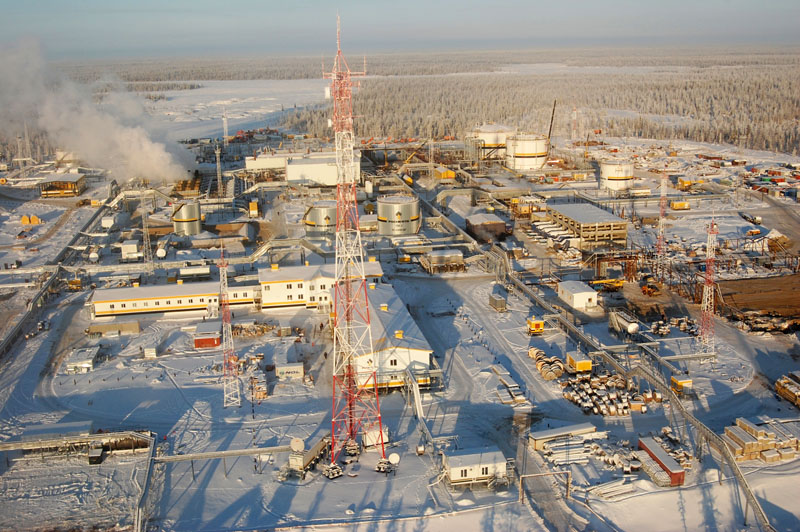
pixel 526 151
pixel 186 219
pixel 493 137
pixel 398 214
pixel 616 174
pixel 320 218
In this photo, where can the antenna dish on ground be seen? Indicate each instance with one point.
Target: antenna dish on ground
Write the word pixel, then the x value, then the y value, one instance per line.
pixel 394 458
pixel 297 445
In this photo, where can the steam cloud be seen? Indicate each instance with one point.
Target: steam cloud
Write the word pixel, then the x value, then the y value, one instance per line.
pixel 114 135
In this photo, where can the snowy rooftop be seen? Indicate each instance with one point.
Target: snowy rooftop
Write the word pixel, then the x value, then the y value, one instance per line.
pixel 474 457
pixel 306 273
pixel 575 287
pixel 584 213
pixel 395 318
pixel 484 218
pixel 210 288
pixel 62 177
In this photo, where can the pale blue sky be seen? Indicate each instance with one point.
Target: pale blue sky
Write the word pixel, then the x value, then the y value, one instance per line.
pixel 75 29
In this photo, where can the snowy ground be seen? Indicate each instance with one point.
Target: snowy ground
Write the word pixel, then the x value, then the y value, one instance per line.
pixel 248 104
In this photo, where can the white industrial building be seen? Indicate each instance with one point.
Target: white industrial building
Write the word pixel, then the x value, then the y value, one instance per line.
pixel 167 298
pixel 305 286
pixel 470 466
pixel 577 294
pixel 279 287
pixel 314 168
pixel 82 360
pixel 397 342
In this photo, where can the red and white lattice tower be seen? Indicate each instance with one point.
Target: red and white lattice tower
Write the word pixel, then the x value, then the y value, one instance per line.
pixel 661 243
pixel 230 366
pixel 707 308
pixel 356 409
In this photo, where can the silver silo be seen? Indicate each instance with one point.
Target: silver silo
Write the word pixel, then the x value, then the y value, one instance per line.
pixel 398 214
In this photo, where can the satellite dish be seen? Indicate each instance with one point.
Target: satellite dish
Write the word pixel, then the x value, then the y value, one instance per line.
pixel 297 445
pixel 394 458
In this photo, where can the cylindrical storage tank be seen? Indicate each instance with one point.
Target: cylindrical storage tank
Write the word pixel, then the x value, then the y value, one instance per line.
pixel 616 175
pixel 94 254
pixel 186 219
pixel 368 188
pixel 398 214
pixel 493 137
pixel 526 152
pixel 320 218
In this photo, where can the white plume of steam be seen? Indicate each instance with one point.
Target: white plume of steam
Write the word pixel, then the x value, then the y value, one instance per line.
pixel 115 135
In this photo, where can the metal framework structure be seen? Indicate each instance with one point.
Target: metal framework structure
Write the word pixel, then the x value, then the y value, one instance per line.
pixel 707 319
pixel 230 367
pixel 224 127
pixel 355 407
pixel 661 243
pixel 220 191
pixel 147 251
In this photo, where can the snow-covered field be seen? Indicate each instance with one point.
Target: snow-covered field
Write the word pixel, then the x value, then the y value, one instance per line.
pixel 248 104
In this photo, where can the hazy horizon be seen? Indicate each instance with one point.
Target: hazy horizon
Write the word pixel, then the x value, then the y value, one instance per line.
pixel 96 30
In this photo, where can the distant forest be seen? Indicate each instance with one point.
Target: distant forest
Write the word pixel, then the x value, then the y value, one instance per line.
pixel 752 102
pixel 749 98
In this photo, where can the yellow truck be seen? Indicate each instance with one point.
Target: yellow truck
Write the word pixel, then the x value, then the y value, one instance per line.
pixel 680 384
pixel 578 363
pixel 679 205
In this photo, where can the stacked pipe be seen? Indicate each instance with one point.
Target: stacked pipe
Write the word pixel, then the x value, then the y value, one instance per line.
pixel 550 368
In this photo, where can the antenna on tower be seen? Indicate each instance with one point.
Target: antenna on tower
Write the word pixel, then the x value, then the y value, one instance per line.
pixel 355 409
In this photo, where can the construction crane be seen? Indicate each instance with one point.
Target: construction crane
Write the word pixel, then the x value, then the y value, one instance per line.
pixel 355 406
pixel 230 364
pixel 550 131
pixel 413 153
pixel 608 285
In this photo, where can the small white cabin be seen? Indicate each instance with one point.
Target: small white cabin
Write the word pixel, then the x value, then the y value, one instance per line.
pixel 82 360
pixel 577 294
pixel 469 466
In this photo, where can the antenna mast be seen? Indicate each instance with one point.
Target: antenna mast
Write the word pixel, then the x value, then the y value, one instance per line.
pixel 661 243
pixel 147 251
pixel 230 367
pixel 355 406
pixel 707 319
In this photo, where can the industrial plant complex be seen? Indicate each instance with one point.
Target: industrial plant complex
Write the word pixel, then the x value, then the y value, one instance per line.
pixel 305 332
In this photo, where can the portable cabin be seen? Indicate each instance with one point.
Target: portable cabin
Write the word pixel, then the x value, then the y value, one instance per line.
pixel 471 466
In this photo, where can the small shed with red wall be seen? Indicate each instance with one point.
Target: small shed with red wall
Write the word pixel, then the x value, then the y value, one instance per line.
pixel 208 335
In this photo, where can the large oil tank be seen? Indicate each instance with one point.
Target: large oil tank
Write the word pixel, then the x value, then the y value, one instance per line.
pixel 398 214
pixel 526 151
pixel 320 218
pixel 616 174
pixel 186 219
pixel 493 137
